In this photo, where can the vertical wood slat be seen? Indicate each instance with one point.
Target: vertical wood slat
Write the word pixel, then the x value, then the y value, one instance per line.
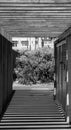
pixel 10 68
pixel 4 42
pixel 63 78
pixel 1 83
pixel 55 73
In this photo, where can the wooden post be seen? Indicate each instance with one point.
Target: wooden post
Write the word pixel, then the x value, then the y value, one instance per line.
pixel 55 57
pixel 4 71
pixel 1 77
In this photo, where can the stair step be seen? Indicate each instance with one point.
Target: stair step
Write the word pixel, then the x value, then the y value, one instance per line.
pixel 33 111
pixel 33 123
pixel 34 118
pixel 24 120
pixel 36 126
pixel 67 128
pixel 40 113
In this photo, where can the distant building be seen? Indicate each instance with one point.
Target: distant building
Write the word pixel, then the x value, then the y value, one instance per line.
pixel 31 43
pixel 20 43
pixel 48 42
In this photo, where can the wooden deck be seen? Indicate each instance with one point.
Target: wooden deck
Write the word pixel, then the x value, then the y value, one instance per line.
pixel 30 109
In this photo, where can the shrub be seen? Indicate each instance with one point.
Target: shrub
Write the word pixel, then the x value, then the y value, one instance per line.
pixel 34 66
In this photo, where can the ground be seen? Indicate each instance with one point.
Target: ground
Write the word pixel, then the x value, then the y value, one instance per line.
pixel 43 86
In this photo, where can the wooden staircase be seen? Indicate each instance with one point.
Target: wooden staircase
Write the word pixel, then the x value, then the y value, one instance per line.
pixel 33 110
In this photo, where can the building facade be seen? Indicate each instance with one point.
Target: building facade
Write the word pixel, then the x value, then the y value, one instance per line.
pixel 31 43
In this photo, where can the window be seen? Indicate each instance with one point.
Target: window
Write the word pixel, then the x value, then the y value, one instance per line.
pixel 36 40
pixel 24 43
pixel 15 43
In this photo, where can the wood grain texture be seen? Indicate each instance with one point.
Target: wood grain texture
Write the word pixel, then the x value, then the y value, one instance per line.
pixel 20 17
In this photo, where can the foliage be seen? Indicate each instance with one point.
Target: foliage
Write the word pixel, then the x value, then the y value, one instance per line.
pixel 35 66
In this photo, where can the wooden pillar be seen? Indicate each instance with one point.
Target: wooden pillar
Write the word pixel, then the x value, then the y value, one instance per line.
pixel 9 69
pixel 55 57
pixel 1 77
pixel 4 42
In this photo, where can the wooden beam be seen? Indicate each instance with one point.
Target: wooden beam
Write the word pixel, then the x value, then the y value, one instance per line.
pixel 35 1
pixel 37 18
pixel 41 13
pixel 20 34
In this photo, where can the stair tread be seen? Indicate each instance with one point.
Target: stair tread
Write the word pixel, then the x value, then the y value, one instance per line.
pixel 21 120
pixel 33 126
pixel 33 123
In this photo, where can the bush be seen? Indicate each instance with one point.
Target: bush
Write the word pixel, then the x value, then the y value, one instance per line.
pixel 34 66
